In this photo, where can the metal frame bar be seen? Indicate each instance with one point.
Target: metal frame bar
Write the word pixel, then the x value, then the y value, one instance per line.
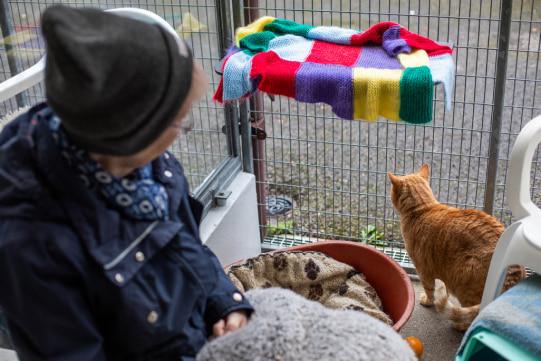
pixel 499 93
pixel 257 119
pixel 246 139
pixel 222 176
pixel 244 121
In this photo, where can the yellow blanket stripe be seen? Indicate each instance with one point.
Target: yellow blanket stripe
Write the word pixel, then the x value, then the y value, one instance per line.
pixel 254 27
pixel 418 57
pixel 376 92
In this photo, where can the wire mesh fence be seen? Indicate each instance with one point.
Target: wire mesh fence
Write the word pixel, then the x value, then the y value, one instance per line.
pixel 334 172
pixel 196 21
pixel 522 99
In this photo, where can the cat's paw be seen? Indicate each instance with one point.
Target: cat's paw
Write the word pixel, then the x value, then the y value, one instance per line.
pixel 425 300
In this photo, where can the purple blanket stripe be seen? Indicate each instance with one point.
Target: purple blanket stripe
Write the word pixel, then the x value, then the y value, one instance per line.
pixel 314 80
pixel 376 57
pixel 232 49
pixel 393 44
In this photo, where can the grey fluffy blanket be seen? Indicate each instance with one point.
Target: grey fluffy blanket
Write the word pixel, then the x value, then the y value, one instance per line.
pixel 288 327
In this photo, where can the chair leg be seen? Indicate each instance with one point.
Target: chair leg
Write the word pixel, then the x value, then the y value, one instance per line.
pixel 499 263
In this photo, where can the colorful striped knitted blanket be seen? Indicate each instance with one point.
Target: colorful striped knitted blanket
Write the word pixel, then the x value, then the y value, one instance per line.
pixel 384 71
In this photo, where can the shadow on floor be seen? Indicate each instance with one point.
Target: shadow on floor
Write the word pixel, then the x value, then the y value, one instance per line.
pixel 440 340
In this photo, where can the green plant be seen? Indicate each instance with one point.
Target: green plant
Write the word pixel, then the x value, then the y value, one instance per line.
pixel 281 227
pixel 372 236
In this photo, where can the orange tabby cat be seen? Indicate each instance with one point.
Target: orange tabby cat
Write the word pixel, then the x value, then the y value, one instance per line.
pixel 446 243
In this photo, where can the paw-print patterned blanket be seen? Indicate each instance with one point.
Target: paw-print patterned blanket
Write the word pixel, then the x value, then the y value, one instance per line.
pixel 313 275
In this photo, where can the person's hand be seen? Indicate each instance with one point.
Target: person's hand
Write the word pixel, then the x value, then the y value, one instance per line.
pixel 232 322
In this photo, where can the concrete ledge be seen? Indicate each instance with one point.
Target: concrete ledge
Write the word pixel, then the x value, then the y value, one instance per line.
pixel 232 231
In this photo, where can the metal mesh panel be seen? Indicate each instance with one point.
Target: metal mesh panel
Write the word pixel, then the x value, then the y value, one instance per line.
pixel 203 148
pixel 522 100
pixel 335 170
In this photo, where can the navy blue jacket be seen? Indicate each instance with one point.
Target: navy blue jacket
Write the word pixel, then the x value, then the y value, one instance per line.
pixel 79 281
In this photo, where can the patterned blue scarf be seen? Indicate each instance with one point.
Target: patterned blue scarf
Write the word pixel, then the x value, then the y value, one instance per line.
pixel 136 195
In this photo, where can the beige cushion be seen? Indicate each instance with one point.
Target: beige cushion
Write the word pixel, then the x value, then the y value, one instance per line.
pixel 312 275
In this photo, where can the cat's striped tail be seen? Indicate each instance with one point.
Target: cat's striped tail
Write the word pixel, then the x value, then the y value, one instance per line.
pixel 462 317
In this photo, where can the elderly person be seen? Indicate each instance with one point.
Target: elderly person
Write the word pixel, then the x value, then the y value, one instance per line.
pixel 100 255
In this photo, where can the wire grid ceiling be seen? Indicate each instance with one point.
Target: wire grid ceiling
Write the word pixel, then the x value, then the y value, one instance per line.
pixel 203 148
pixel 335 171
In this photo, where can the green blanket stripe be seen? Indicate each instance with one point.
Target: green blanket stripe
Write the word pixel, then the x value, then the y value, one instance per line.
pixel 416 93
pixel 257 42
pixel 283 27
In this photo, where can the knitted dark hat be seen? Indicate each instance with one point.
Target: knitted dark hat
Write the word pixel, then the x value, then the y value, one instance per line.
pixel 115 82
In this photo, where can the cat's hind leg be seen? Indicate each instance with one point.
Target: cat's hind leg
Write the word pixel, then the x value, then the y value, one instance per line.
pixel 427 297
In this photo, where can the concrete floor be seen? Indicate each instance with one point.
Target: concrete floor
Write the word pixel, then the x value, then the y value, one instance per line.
pixel 440 340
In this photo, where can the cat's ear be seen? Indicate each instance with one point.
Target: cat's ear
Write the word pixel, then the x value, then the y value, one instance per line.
pixel 394 179
pixel 425 171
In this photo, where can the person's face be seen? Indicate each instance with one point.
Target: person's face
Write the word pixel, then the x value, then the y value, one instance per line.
pixel 180 123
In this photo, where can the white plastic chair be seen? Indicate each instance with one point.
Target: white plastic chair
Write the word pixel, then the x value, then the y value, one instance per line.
pixel 521 242
pixel 34 74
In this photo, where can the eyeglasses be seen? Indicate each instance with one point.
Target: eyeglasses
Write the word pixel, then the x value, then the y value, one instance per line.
pixel 186 125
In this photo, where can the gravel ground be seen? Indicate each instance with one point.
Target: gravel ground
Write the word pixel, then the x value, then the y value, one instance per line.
pixel 335 170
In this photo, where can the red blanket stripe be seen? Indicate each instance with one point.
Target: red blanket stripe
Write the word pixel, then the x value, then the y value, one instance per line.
pixel 277 76
pixel 420 42
pixel 219 95
pixel 373 34
pixel 329 53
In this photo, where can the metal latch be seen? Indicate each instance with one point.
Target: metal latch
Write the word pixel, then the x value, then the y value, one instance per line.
pixel 259 133
pixel 220 198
